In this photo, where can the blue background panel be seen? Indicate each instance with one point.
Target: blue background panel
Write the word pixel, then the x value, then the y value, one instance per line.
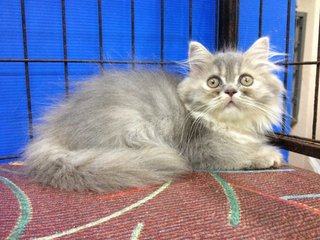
pixel 204 23
pixel 44 24
pixel 248 23
pixel 176 30
pixel 11 30
pixel 147 33
pixel 13 109
pixel 116 24
pixel 46 84
pixel 82 29
pixel 13 100
pixel 82 35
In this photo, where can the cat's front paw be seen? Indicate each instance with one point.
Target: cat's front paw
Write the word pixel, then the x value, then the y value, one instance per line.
pixel 267 157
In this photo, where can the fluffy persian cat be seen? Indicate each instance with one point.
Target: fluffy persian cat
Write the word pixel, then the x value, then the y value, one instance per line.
pixel 129 129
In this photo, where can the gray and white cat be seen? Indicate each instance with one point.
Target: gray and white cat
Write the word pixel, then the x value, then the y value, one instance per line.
pixel 129 129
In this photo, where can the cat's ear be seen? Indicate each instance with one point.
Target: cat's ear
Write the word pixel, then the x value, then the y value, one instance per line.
pixel 259 49
pixel 199 57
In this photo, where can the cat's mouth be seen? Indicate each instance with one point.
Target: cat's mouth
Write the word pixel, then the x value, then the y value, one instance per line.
pixel 231 104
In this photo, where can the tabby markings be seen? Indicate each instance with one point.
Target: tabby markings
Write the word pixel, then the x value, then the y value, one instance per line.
pixel 25 209
pixel 107 218
pixel 136 232
pixel 234 207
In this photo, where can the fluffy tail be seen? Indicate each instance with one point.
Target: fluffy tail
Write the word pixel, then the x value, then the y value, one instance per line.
pixel 102 170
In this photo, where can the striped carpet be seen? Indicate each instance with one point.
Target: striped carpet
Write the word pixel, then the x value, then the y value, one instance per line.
pixel 267 204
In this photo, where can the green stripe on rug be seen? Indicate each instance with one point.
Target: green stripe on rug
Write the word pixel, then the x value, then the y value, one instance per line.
pixel 234 207
pixel 25 209
pixel 136 232
pixel 107 218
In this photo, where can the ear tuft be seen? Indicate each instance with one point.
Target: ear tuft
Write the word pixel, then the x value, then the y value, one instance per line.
pixel 199 56
pixel 262 43
pixel 259 48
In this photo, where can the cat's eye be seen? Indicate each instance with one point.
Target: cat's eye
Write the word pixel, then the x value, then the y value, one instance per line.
pixel 214 82
pixel 246 80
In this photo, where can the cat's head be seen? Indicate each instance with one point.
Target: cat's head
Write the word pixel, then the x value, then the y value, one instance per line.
pixel 234 89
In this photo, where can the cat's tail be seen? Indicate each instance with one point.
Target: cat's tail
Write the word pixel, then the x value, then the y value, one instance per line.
pixel 102 170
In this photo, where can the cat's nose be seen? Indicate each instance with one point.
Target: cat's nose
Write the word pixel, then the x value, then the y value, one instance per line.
pixel 230 91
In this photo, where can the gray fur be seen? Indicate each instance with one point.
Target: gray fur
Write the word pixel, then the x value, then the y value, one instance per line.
pixel 129 129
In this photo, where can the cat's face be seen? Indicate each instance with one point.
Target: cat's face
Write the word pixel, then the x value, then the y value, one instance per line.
pixel 232 88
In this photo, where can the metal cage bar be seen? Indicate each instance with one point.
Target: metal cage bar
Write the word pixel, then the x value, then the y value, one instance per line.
pixel 100 34
pixel 190 20
pixel 228 24
pixel 65 47
pixel 285 79
pixel 132 35
pixel 125 62
pixel 297 144
pixel 161 33
pixel 316 91
pixel 260 18
pixel 26 67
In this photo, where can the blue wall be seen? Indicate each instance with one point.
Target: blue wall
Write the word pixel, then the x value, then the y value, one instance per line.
pixel 45 41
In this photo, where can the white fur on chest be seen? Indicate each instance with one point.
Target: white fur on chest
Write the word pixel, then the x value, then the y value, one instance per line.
pixel 234 132
pixel 242 138
pixel 239 135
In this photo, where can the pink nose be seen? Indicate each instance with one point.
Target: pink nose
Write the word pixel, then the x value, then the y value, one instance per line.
pixel 230 91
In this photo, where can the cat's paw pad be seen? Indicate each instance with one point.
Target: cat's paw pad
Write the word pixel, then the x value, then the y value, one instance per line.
pixel 268 158
pixel 276 160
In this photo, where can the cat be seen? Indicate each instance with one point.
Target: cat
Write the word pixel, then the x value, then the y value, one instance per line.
pixel 135 128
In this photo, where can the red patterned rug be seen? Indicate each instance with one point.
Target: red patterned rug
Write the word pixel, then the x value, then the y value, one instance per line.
pixel 269 204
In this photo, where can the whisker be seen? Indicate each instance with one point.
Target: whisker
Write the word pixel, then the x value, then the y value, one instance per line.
pixel 268 111
pixel 204 109
pixel 185 123
pixel 194 126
